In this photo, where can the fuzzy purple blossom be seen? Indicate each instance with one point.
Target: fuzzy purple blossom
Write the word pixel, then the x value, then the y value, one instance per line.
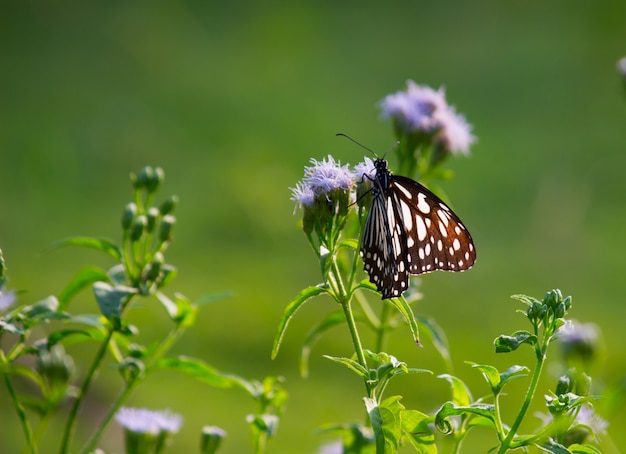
pixel 7 299
pixel 365 170
pixel 320 179
pixel 142 420
pixel 424 111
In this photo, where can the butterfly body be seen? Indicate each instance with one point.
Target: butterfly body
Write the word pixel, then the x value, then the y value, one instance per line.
pixel 409 230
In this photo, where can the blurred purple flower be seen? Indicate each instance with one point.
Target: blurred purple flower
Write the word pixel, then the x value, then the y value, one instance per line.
pixel 142 420
pixel 422 110
pixel 6 300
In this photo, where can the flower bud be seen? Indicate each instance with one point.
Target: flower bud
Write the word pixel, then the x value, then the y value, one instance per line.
pixel 138 227
pixel 559 311
pixel 128 216
pixel 564 385
pixel 153 215
pixel 155 179
pixel 142 179
pixel 57 368
pixel 212 437
pixel 166 227
pixel 154 269
pixel 169 205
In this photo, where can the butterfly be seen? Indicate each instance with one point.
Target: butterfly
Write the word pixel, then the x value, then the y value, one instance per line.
pixel 409 230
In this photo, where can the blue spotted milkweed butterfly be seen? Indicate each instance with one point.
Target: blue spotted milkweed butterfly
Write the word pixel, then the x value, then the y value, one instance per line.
pixel 409 230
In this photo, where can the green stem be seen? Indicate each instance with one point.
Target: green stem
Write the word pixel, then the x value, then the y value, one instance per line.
pixel 28 433
pixel 541 358
pixel 69 428
pixel 91 444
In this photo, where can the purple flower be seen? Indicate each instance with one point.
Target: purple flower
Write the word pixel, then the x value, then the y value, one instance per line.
pixel 588 417
pixel 142 420
pixel 455 133
pixel 422 110
pixel 303 195
pixel 327 175
pixel 320 179
pixel 364 170
pixel 414 109
pixel 6 300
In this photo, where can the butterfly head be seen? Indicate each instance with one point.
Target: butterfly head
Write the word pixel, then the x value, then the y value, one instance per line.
pixel 380 165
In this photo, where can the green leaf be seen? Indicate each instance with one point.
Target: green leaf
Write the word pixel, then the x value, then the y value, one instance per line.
pixel 110 299
pixel 491 375
pixel 407 312
pixel 506 344
pixel 331 320
pixel 583 449
pixel 438 337
pixel 58 336
pixel 82 279
pixel 416 430
pixel 290 310
pixel 449 409
pixel 11 328
pixel 460 393
pixel 365 284
pixel 195 368
pixel 350 243
pixel 513 373
pixel 350 364
pixel 552 446
pixel 528 300
pixel 101 244
pixel 385 423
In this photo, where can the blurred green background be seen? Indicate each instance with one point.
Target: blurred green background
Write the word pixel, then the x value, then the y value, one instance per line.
pixel 233 99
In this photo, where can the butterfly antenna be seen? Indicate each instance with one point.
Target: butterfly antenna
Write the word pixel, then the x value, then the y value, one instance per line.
pixel 391 148
pixel 358 143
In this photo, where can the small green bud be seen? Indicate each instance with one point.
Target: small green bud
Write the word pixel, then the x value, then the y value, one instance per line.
pixel 559 311
pixel 168 205
pixel 568 303
pixel 138 227
pixel 564 385
pixel 57 368
pixel 155 179
pixel 166 227
pixel 154 269
pixel 153 215
pixel 128 216
pixel 142 179
pixel 212 437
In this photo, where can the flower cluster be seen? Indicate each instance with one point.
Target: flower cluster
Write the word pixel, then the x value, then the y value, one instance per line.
pixel 147 431
pixel 422 118
pixel 142 420
pixel 325 195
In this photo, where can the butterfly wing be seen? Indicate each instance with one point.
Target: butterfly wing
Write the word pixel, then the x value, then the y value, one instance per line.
pixel 381 247
pixel 436 237
pixel 409 230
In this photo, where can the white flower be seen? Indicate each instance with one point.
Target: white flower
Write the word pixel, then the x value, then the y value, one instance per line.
pixel 6 300
pixel 142 420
